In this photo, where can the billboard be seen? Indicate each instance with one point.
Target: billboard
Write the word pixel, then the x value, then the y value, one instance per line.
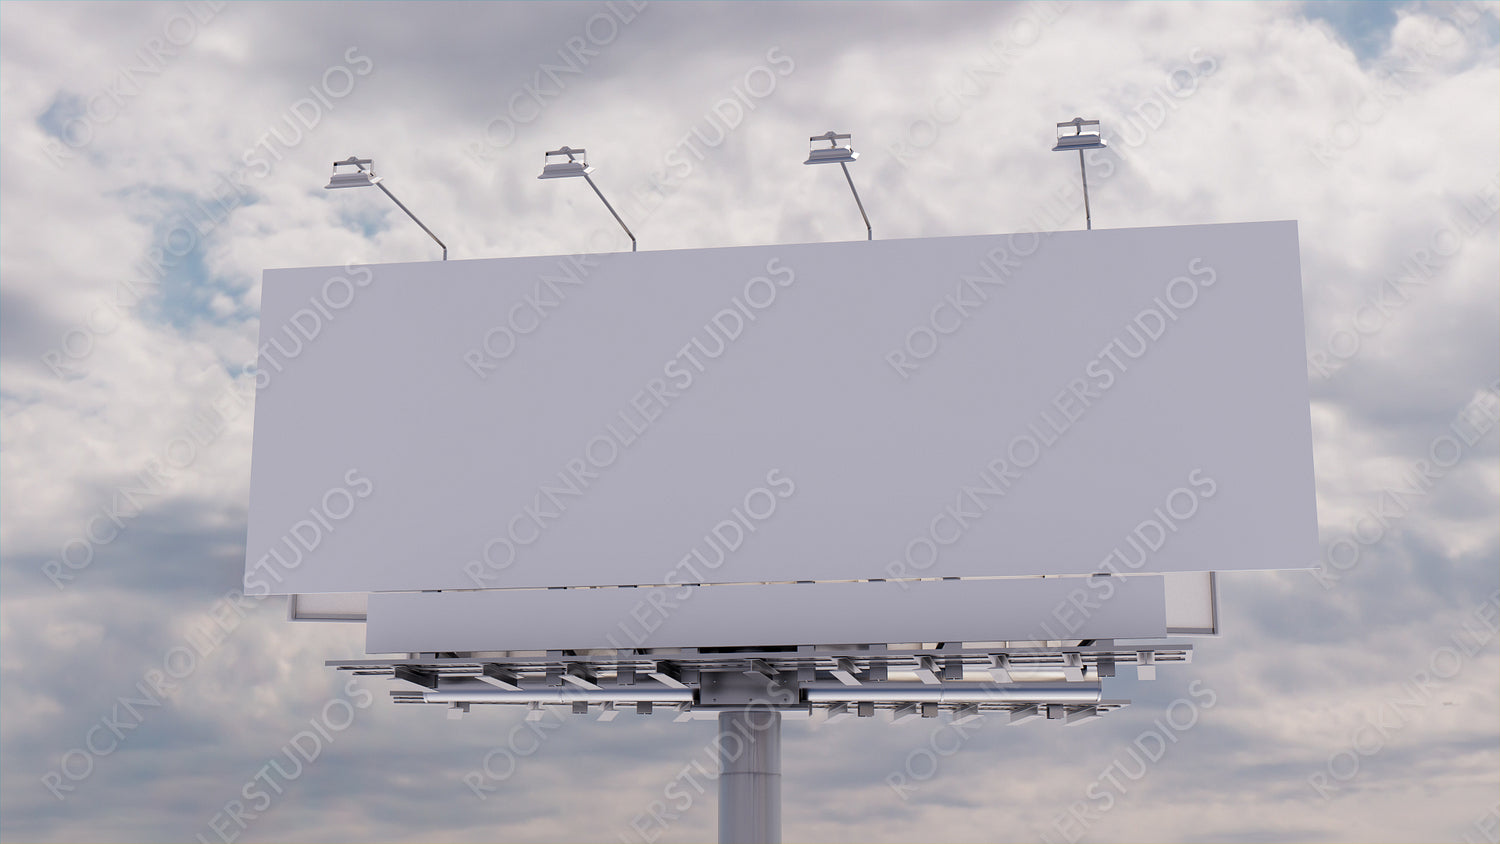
pixel 1124 401
pixel 777 614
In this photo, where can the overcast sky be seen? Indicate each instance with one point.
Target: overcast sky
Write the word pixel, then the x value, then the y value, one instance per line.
pixel 157 157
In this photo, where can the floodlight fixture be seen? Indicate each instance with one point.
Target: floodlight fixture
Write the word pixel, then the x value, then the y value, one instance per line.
pixel 564 162
pixel 1080 141
pixel 362 176
pixel 842 154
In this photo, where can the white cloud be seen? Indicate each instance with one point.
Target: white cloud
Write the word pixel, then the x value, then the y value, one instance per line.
pixel 1219 112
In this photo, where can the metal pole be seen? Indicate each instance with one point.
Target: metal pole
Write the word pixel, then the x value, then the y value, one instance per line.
pixel 869 232
pixel 1088 218
pixel 414 217
pixel 611 210
pixel 750 777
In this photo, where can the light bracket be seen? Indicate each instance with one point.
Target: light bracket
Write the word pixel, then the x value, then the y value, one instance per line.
pixel 361 177
pixel 1080 141
pixel 566 162
pixel 841 154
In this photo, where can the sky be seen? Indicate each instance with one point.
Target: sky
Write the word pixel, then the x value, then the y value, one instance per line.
pixel 155 158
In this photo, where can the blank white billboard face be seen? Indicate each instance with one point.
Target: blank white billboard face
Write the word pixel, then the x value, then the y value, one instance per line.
pixel 1116 400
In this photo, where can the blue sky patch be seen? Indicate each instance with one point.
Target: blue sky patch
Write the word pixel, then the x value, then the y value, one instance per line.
pixel 184 225
pixel 1365 25
pixel 66 107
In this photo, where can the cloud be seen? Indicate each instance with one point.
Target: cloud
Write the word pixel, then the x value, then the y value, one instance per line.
pixel 173 151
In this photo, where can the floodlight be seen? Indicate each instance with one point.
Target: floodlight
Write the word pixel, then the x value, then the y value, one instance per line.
pixel 357 179
pixel 1080 141
pixel 360 177
pixel 576 163
pixel 842 154
pixel 834 153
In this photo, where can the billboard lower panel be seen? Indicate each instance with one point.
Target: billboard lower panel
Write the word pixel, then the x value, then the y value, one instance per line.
pixel 1019 609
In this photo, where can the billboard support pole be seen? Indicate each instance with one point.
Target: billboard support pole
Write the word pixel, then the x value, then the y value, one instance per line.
pixel 750 776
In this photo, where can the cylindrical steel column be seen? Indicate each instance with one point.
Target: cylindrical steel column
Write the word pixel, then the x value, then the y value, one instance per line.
pixel 750 777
